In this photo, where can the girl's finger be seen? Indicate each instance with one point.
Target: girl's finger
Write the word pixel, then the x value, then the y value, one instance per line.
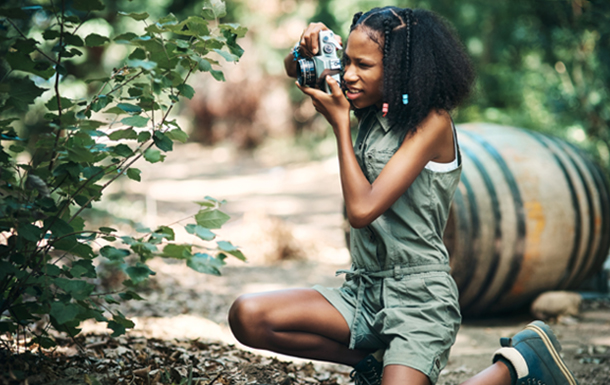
pixel 335 89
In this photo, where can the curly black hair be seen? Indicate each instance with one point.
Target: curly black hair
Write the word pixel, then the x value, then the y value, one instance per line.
pixel 423 58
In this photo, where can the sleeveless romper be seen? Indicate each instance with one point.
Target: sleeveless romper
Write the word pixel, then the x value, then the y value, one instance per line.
pixel 398 295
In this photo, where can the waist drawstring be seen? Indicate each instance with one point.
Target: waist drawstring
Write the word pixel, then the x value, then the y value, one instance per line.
pixel 366 279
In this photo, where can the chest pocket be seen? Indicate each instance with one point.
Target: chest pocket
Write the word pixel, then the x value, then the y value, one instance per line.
pixel 375 161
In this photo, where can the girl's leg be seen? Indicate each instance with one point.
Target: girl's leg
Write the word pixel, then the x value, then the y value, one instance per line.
pixel 403 375
pixel 497 374
pixel 295 322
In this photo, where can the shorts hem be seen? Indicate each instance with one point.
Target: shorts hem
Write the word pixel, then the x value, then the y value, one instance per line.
pixel 330 295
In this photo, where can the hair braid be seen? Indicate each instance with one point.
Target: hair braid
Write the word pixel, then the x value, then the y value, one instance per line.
pixel 355 19
pixel 387 30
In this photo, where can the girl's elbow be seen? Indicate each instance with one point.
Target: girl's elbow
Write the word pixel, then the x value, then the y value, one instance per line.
pixel 359 220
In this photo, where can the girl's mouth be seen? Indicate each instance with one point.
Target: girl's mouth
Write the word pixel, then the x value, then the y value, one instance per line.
pixel 353 94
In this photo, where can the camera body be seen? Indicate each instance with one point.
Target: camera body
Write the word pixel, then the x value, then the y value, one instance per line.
pixel 312 71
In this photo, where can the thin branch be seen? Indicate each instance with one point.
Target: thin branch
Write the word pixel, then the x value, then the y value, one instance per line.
pixel 35 48
pixel 57 94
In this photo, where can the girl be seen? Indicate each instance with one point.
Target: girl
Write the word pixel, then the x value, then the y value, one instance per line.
pixel 397 313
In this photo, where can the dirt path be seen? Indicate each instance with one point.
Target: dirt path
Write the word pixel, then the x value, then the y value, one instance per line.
pixel 306 199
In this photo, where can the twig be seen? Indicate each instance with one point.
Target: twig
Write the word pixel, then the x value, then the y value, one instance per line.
pixel 35 48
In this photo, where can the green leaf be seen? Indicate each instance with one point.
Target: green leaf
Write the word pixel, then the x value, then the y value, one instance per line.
pixel 100 102
pixel 130 108
pixel 19 61
pixel 58 227
pixel 13 13
pixel 135 121
pixel 226 55
pixel 166 232
pixel 153 156
pixel 122 150
pixel 177 134
pixel 200 231
pixel 213 9
pixel 113 253
pixel 107 230
pixel 30 232
pixel 75 40
pixel 144 64
pixel 87 5
pixel 234 28
pixel 130 294
pixel 204 65
pixel 211 219
pixel 52 104
pixel 204 263
pixel 108 298
pixel 21 91
pixel 177 251
pixel 186 90
pixel 95 40
pixel 143 136
pixel 79 290
pixel 64 312
pixel 230 249
pixel 169 19
pixel 118 329
pixel 218 75
pixel 119 324
pixel 44 342
pixel 134 174
pixel 136 16
pixel 89 124
pixel 127 133
pixel 139 273
pixel 50 34
pixel 83 268
pixel 52 270
pixel 80 154
pixel 162 141
pixel 125 38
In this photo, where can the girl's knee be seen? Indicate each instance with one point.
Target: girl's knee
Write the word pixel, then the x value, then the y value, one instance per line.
pixel 245 315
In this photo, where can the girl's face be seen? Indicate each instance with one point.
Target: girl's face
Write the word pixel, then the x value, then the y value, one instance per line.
pixel 363 72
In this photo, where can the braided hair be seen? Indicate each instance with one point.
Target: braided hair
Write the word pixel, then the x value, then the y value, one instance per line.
pixel 425 66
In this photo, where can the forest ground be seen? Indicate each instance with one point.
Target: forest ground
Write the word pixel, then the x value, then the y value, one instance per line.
pixel 287 217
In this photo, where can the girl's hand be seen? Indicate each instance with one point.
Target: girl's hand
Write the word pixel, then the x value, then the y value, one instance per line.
pixel 308 46
pixel 335 107
pixel 310 40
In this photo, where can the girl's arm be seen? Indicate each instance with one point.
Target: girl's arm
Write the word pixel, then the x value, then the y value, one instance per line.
pixel 365 201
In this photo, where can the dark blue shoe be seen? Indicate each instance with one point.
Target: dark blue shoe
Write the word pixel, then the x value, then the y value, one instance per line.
pixel 534 354
pixel 367 372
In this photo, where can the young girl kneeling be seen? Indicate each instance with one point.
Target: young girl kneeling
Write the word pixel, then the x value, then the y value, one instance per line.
pixel 397 314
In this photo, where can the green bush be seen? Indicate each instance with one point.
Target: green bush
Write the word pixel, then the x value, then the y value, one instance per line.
pixel 47 253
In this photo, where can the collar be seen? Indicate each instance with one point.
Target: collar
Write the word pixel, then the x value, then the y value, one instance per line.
pixel 383 121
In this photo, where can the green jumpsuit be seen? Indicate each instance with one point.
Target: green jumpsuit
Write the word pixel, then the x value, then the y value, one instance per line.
pixel 399 295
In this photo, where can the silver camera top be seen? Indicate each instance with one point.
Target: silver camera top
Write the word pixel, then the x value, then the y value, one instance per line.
pixel 328 43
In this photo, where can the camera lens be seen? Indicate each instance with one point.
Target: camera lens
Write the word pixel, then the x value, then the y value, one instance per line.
pixel 306 70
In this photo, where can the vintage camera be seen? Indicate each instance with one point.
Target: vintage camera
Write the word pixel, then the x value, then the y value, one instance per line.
pixel 312 71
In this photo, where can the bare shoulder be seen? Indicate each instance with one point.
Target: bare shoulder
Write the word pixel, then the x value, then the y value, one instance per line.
pixel 435 134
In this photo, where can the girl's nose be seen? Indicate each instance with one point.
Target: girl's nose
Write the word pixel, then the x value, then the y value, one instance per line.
pixel 349 75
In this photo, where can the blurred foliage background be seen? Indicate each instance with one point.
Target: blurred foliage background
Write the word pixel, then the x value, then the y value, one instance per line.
pixel 542 65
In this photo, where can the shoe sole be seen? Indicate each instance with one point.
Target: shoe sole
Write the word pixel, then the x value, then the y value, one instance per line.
pixel 550 341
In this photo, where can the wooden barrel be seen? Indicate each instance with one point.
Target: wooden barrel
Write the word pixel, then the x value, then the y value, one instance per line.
pixel 531 214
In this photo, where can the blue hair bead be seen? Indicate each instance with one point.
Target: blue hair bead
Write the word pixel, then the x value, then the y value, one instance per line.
pixel 405 98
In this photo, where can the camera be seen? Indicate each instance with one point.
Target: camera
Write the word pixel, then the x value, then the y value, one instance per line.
pixel 312 71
